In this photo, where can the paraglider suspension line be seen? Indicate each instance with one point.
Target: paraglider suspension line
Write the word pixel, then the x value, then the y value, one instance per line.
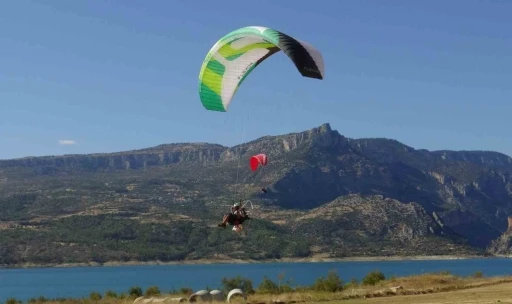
pixel 236 184
pixel 238 169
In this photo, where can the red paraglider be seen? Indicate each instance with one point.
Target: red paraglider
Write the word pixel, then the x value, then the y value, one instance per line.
pixel 257 160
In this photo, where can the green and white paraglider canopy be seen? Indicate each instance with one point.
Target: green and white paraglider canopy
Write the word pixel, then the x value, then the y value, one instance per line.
pixel 236 54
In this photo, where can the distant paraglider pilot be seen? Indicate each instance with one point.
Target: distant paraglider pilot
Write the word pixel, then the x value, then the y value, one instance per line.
pixel 236 217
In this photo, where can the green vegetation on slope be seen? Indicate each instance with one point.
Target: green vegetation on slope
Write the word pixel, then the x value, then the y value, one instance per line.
pixel 108 237
pixel 350 226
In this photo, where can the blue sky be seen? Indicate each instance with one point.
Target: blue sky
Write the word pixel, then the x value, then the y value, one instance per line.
pixel 120 75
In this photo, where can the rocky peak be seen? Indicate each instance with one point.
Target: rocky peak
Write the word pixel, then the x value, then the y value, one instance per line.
pixel 322 136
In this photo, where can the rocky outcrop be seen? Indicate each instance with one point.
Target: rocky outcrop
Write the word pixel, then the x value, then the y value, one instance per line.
pixel 503 244
pixel 378 216
pixel 374 225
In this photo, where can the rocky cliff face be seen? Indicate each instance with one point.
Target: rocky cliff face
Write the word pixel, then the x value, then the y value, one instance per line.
pixel 503 244
pixel 163 155
pixel 469 192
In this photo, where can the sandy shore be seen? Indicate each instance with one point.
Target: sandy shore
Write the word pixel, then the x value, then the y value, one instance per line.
pixel 225 260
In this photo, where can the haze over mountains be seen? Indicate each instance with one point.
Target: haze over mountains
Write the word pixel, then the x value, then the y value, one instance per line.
pixel 328 196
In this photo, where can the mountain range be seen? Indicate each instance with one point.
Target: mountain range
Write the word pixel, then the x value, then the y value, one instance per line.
pixel 327 196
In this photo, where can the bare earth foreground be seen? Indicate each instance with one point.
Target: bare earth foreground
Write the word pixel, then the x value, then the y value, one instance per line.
pixel 442 289
pixel 501 293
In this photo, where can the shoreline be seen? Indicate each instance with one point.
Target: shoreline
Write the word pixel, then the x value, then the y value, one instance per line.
pixel 268 261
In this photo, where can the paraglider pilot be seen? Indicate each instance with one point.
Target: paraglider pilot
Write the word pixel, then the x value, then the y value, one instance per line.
pixel 236 217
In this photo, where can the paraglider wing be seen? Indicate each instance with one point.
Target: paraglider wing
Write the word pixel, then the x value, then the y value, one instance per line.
pixel 235 55
pixel 257 160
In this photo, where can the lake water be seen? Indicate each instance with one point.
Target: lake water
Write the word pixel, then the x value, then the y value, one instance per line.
pixel 24 284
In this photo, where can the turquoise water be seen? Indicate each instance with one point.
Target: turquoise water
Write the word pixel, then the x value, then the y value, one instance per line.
pixel 80 281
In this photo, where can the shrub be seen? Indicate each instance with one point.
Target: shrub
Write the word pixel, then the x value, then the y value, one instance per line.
pixel 135 291
pixel 352 284
pixel 12 301
pixel 95 296
pixel 478 274
pixel 110 294
pixel 373 278
pixel 238 282
pixel 41 299
pixel 152 291
pixel 186 291
pixel 283 286
pixel 331 283
pixel 268 286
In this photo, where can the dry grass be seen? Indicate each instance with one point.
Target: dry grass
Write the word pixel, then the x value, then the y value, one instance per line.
pixel 440 281
pixel 413 285
pixel 498 293
pixel 428 288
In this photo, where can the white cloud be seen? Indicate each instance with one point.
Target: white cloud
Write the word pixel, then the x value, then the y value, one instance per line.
pixel 67 142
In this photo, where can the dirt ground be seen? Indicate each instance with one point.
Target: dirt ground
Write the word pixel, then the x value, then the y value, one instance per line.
pixel 501 293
